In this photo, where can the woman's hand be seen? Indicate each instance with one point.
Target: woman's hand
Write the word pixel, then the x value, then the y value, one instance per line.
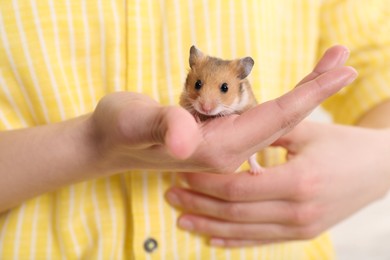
pixel 332 172
pixel 135 132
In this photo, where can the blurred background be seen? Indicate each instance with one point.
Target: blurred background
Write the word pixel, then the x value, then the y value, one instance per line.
pixel 365 235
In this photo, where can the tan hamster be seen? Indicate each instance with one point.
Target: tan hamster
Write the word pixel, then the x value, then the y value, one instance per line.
pixel 216 87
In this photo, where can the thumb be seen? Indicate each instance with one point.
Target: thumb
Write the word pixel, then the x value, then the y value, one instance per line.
pixel 145 124
pixel 180 132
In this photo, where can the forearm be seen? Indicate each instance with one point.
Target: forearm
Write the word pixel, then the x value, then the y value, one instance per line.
pixel 378 117
pixel 41 159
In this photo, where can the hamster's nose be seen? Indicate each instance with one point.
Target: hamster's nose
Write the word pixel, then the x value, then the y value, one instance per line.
pixel 206 107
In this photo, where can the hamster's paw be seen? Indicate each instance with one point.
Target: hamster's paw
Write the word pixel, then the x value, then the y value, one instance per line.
pixel 256 169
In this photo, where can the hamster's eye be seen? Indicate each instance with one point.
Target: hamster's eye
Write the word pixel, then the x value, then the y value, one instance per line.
pixel 224 87
pixel 198 84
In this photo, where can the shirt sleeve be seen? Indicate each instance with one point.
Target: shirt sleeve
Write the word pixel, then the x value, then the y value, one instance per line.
pixel 364 27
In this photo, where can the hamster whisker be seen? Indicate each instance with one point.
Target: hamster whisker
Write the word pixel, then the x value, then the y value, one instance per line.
pixel 227 106
pixel 224 113
pixel 189 107
pixel 228 110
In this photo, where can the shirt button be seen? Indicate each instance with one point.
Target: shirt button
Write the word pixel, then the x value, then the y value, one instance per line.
pixel 150 245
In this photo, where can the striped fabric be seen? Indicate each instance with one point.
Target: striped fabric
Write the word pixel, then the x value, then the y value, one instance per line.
pixel 59 57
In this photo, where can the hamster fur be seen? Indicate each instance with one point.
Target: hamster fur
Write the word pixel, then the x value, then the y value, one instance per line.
pixel 215 87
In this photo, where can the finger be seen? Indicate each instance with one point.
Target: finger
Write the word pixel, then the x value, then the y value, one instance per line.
pixel 233 243
pixel 333 57
pixel 223 229
pixel 282 212
pixel 244 187
pixel 280 115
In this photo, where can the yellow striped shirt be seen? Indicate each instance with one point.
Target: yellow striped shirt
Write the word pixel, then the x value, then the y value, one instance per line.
pixel 58 58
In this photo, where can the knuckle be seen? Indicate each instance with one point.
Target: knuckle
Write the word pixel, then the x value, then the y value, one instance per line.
pixel 318 85
pixel 233 191
pixel 232 211
pixel 303 215
pixel 306 187
pixel 289 118
pixel 190 202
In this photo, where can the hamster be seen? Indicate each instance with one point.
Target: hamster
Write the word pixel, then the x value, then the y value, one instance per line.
pixel 215 87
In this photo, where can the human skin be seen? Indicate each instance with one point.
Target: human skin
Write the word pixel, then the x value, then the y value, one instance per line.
pixel 329 176
pixel 332 172
pixel 131 131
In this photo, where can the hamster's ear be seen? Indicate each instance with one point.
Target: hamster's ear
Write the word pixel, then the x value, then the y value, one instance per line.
pixel 245 66
pixel 195 55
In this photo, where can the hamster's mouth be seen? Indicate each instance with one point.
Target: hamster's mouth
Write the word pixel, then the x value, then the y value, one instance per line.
pixel 213 113
pixel 203 117
pixel 209 112
pixel 208 115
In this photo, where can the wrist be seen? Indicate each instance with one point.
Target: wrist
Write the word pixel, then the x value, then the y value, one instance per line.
pixel 90 145
pixel 386 151
pixel 377 117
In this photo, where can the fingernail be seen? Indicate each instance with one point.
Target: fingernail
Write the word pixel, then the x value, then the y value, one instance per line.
pixel 217 242
pixel 350 77
pixel 344 57
pixel 186 224
pixel 173 199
